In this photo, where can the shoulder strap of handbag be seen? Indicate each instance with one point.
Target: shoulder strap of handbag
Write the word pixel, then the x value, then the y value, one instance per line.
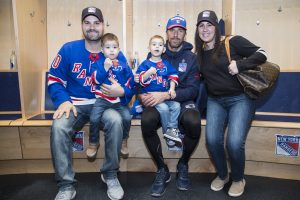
pixel 227 47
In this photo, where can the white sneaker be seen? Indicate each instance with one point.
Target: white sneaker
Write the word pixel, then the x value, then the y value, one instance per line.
pixel 217 184
pixel 114 188
pixel 66 195
pixel 237 188
pixel 173 134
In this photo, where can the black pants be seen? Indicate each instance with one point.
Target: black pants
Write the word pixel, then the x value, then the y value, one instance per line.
pixel 190 121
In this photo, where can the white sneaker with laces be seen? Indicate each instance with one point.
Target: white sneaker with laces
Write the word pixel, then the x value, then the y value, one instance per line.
pixel 114 188
pixel 173 134
pixel 66 195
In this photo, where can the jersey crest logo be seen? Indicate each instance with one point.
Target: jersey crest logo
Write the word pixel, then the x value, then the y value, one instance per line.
pixel 182 66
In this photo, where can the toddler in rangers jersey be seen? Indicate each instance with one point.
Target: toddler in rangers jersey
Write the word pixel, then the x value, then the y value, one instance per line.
pixel 157 74
pixel 111 70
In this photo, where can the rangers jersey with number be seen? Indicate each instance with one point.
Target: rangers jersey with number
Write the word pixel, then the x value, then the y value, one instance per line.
pixel 120 72
pixel 160 81
pixel 69 77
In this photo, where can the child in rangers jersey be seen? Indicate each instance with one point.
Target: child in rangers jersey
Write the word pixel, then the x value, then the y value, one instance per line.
pixel 157 74
pixel 111 70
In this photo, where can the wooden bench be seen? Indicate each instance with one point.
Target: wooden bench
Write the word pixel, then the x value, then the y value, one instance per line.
pixel 33 153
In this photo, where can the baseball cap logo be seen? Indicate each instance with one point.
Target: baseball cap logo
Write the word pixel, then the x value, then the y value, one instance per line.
pixel 92 10
pixel 206 14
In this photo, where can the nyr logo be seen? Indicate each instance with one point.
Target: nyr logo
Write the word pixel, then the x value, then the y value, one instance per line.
pixel 78 141
pixel 287 145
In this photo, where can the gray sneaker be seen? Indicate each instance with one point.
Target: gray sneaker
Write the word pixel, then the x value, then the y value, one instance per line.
pixel 66 194
pixel 170 143
pixel 173 134
pixel 114 188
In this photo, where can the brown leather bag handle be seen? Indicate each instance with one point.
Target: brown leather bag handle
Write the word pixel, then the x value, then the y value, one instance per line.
pixel 227 47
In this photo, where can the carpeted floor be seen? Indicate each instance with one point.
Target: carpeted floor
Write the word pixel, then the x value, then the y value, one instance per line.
pixel 137 187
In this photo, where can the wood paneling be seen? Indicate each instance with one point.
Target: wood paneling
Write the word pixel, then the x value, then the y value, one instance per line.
pixel 150 18
pixel 260 145
pixel 64 21
pixel 228 13
pixel 30 30
pixel 276 32
pixel 10 147
pixel 284 171
pixel 7 38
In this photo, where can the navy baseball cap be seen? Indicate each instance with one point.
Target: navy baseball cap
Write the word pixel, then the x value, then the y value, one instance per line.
pixel 92 11
pixel 208 16
pixel 176 21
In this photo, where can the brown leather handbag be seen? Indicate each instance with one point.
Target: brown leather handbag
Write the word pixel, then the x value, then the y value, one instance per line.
pixel 256 81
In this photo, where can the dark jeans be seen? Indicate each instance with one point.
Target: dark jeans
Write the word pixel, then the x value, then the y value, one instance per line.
pixel 190 123
pixel 235 112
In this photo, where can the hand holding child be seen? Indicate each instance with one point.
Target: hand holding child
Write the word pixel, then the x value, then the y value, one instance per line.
pixel 172 94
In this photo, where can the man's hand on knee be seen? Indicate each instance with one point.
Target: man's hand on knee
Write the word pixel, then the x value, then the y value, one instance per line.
pixel 65 107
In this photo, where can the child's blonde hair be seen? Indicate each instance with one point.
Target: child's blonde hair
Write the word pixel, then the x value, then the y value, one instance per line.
pixel 156 37
pixel 109 37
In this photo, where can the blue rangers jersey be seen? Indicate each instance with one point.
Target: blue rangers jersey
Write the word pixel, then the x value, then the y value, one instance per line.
pixel 158 82
pixel 120 72
pixel 70 74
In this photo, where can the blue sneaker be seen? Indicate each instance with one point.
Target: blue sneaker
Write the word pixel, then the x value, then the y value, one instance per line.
pixel 182 177
pixel 163 177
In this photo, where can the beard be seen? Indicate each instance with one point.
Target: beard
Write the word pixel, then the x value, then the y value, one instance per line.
pixel 92 35
pixel 175 43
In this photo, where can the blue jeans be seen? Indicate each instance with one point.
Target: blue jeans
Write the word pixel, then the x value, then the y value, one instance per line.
pixel 95 118
pixel 169 112
pixel 236 112
pixel 61 143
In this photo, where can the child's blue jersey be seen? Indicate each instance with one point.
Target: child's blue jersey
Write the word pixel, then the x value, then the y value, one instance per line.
pixel 159 82
pixel 120 72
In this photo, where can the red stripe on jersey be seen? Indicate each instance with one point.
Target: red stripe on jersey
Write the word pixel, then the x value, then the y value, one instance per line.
pixel 55 79
pixel 104 96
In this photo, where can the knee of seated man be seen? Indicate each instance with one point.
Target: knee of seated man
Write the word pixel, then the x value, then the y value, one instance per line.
pixel 191 119
pixel 62 123
pixel 149 116
pixel 191 122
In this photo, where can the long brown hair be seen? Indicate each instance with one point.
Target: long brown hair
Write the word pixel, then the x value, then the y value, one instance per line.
pixel 199 46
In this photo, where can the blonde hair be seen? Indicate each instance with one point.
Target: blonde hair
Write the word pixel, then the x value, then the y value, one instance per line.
pixel 109 37
pixel 156 37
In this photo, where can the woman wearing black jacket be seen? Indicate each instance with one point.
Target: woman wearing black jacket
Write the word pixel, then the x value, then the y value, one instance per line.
pixel 227 105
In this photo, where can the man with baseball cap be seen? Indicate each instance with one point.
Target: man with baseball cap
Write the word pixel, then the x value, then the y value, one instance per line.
pixel 70 88
pixel 179 54
pixel 92 11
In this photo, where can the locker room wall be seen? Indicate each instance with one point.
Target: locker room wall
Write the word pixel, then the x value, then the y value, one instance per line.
pixel 276 31
pixel 64 21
